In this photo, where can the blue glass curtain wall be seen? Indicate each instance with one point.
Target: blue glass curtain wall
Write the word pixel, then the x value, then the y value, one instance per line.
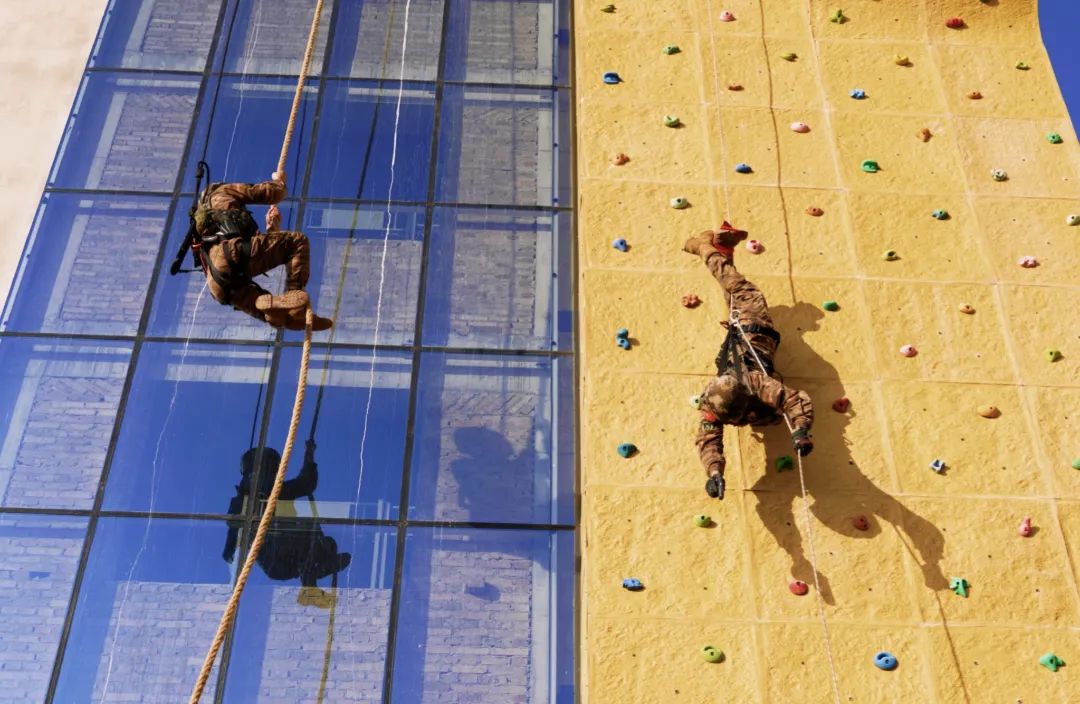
pixel 424 546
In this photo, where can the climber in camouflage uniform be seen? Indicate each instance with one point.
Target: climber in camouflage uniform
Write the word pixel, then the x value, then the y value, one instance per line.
pixel 741 393
pixel 232 251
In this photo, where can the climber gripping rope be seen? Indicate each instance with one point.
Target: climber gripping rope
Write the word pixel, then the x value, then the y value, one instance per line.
pixel 744 391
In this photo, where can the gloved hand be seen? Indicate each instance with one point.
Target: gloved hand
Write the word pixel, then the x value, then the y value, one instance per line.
pixel 715 487
pixel 800 439
pixel 273 218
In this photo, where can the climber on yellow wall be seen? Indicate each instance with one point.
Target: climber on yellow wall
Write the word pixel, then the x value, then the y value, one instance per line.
pixel 741 393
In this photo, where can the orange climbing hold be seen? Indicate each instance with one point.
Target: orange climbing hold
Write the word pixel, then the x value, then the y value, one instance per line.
pixel 989 411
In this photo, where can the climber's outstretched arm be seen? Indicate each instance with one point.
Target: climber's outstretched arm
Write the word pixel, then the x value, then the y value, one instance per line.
pixel 794 403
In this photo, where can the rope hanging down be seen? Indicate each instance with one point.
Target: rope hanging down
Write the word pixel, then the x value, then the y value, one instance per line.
pixel 298 405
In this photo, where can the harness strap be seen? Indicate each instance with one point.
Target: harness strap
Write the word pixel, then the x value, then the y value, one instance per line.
pixel 238 275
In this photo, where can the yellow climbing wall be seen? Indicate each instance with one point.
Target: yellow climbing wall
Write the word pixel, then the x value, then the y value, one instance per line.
pixel 886 588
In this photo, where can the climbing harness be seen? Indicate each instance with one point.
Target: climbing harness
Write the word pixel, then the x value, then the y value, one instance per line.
pixel 734 356
pixel 279 479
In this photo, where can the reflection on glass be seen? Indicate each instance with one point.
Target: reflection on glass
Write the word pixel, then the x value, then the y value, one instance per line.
pixel 149 604
pixel 38 559
pixel 361 131
pixel 369 40
pixel 269 36
pixel 360 475
pixel 70 281
pixel 494 280
pixel 503 41
pixel 157 34
pixel 365 270
pixel 58 400
pixel 191 414
pixel 488 618
pixel 127 133
pixel 500 146
pixel 487 429
pixel 298 643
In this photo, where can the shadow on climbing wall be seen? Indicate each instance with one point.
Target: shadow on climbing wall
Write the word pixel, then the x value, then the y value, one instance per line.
pixel 845 492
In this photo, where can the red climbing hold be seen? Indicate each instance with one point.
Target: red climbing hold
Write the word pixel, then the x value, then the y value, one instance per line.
pixel 815 211
pixel 690 300
pixel 841 405
pixel 860 523
pixel 974 95
pixel 798 588
pixel 1025 529
pixel 955 23
pixel 619 159
pixel 734 86
pixel 925 134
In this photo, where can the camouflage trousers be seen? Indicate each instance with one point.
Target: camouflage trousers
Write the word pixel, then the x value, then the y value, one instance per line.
pixel 746 298
pixel 268 250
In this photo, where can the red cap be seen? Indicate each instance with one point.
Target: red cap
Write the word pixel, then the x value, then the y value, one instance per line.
pixel 728 227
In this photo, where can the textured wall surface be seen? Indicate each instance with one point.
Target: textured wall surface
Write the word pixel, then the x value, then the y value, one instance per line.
pixel 886 588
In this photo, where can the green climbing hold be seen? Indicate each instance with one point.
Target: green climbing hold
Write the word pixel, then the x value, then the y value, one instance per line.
pixel 680 203
pixel 702 521
pixel 789 56
pixel 671 49
pixel 1051 662
pixel 837 16
pixel 960 586
pixel 712 654
pixel 831 306
pixel 1052 355
pixel 890 255
pixel 870 166
pixel 1076 463
pixel 784 463
pixel 671 121
pixel 1020 65
pixel 608 8
pixel 1054 138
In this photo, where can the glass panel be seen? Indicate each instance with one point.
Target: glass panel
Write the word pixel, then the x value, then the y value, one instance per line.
pixel 127 132
pixel 188 422
pixel 149 605
pixel 269 36
pixel 324 643
pixel 488 620
pixel 157 34
pixel 365 270
pixel 58 402
pixel 486 435
pixel 369 37
pixel 183 306
pixel 505 41
pixel 88 264
pixel 360 131
pixel 358 475
pixel 493 280
pixel 242 137
pixel 501 147
pixel 39 556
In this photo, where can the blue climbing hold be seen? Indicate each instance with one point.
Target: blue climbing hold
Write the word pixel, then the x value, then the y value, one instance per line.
pixel 743 168
pixel 620 244
pixel 626 449
pixel 632 584
pixel 885 660
pixel 611 78
pixel 938 466
pixel 940 214
pixel 623 342
pixel 857 93
pixel 622 333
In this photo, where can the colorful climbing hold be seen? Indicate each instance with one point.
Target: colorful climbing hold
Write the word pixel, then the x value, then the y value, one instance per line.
pixel 622 333
pixel 837 16
pixel 1020 65
pixel 989 411
pixel 1051 662
pixel 1028 262
pixel 743 168
pixel 680 203
pixel 608 8
pixel 784 463
pixel 671 49
pixel 712 654
pixel 1072 220
pixel 727 16
pixel 1052 355
pixel 702 521
pixel 619 159
pixel 799 588
pixel 870 166
pixel 974 95
pixel 755 247
pixel 860 522
pixel 1076 463
pixel 800 127
pixel 626 449
pixel 671 121
pixel 842 404
pixel 924 134
pixel 1054 138
pixel 831 306
pixel 890 255
pixel 857 93
pixel 632 584
pixel 620 244
pixel 735 86
pixel 691 300
pixel 966 309
pixel 999 175
pixel 955 23
pixel 815 211
pixel 611 78
pixel 900 60
pixel 789 56
pixel 695 401
pixel 1025 530
pixel 960 586
pixel 938 466
pixel 940 214
pixel 623 343
pixel 909 350
pixel 885 660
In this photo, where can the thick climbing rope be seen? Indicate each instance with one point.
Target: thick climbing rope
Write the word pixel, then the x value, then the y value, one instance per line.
pixel 734 322
pixel 267 517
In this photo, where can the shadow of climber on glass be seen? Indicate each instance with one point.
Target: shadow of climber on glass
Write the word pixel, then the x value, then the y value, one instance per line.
pixel 301 552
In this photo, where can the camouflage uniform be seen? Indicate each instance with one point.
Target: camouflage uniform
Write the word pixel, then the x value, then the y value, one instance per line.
pixel 767 396
pixel 268 250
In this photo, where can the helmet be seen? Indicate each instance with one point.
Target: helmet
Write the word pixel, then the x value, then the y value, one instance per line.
pixel 725 397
